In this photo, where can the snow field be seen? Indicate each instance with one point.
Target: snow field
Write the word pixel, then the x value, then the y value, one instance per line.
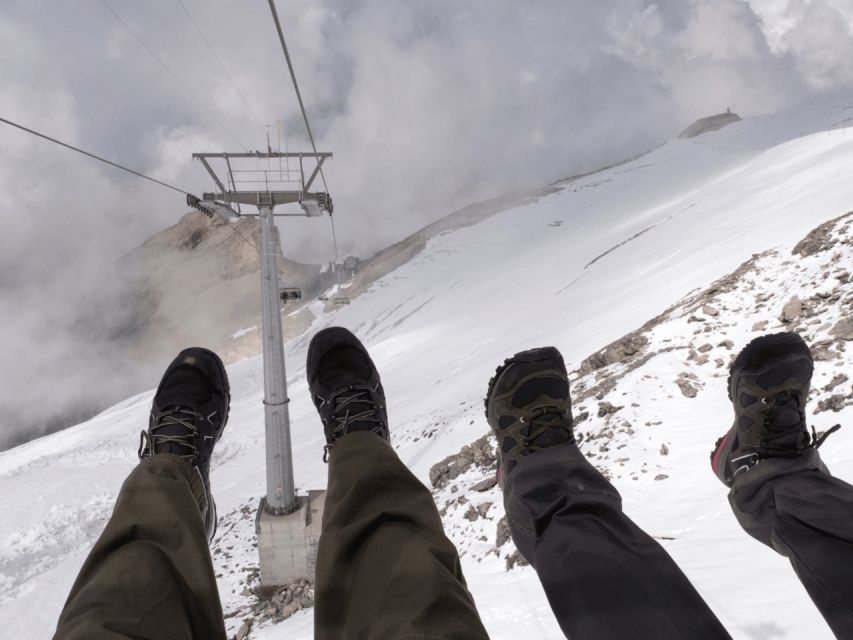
pixel 577 269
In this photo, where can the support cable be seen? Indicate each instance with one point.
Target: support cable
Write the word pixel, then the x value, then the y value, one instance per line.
pixel 172 73
pixel 96 157
pixel 221 65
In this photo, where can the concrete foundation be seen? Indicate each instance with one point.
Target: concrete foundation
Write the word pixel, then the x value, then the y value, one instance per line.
pixel 287 545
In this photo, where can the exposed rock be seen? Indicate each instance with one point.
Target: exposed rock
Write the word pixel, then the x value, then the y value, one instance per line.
pixel 792 310
pixel 687 389
pixel 472 514
pixel 760 326
pixel 843 329
pixel 480 452
pixel 822 353
pixel 661 476
pixel 281 603
pixel 483 509
pixel 818 239
pixel 607 409
pixel 244 629
pixel 841 378
pixel 708 124
pixel 708 310
pixel 833 403
pixel 618 351
pixel 705 348
pixel 485 485
pixel 200 283
pixel 664 450
pixel 516 560
pixel 727 344
pixel 502 534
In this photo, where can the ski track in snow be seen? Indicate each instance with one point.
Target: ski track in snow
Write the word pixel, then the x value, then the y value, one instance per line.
pixel 633 240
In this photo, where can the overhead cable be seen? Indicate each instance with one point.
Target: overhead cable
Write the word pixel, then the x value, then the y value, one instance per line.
pixel 96 157
pixel 173 74
pixel 305 119
pixel 221 65
pixel 192 200
pixel 295 86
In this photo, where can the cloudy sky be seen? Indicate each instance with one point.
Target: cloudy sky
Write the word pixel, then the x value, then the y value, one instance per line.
pixel 427 106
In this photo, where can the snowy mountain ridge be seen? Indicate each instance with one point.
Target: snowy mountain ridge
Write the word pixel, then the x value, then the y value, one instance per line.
pixel 581 267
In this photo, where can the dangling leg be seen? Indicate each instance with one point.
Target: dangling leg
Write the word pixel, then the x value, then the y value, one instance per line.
pixel 150 575
pixel 385 569
pixel 604 577
pixel 781 492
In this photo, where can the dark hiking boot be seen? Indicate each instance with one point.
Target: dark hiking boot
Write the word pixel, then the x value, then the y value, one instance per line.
pixel 345 386
pixel 188 415
pixel 528 406
pixel 768 385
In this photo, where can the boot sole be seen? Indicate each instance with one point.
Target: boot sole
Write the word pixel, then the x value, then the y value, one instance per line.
pixel 770 339
pixel 526 357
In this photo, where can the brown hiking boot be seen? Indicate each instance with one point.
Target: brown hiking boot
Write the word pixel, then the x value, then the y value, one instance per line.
pixel 769 385
pixel 528 406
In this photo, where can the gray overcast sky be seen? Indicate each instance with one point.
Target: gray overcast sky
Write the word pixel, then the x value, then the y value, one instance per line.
pixel 426 105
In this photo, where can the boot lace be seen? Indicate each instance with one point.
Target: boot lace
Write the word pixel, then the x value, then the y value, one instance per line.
pixel 782 438
pixel 548 425
pixel 150 441
pixel 352 404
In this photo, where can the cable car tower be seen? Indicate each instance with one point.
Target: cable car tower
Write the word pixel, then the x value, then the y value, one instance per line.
pixel 287 525
pixel 266 180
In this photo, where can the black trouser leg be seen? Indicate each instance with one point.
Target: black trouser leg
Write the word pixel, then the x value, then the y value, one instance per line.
pixel 604 577
pixel 798 509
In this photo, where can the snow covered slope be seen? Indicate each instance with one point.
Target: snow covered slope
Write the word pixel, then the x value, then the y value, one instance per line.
pixel 579 269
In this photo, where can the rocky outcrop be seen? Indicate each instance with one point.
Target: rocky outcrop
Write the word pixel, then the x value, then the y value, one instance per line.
pixel 618 351
pixel 819 239
pixel 792 310
pixel 481 453
pixel 201 280
pixel 277 605
pixel 711 123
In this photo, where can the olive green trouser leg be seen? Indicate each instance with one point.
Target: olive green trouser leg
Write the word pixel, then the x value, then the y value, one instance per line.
pixel 385 569
pixel 149 575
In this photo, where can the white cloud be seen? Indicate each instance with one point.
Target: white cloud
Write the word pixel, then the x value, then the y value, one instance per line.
pixel 820 38
pixel 427 106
